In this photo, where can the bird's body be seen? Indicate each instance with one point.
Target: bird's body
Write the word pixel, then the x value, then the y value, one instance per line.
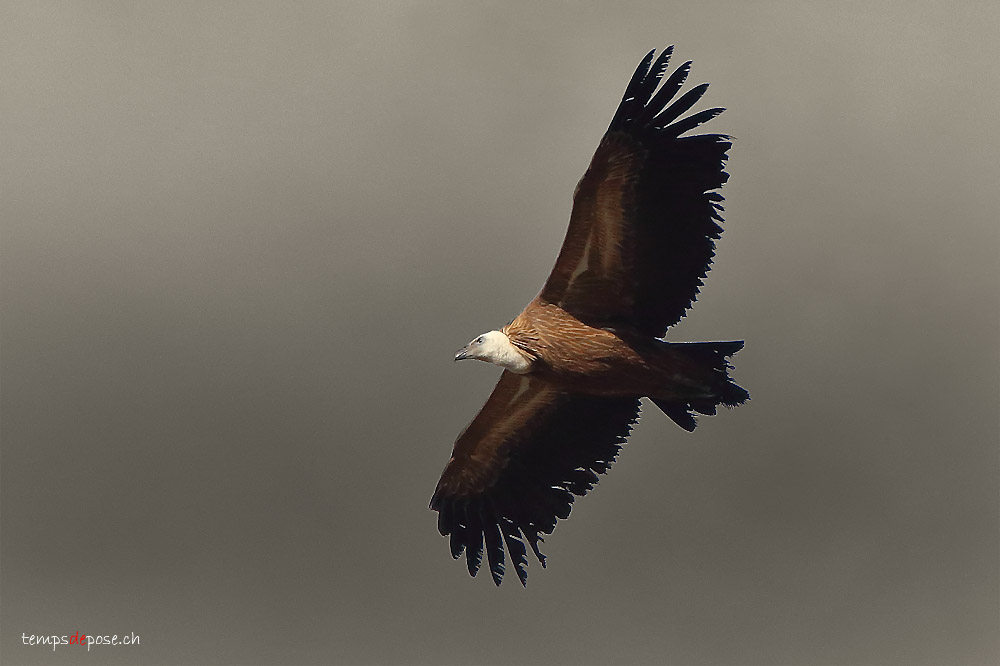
pixel 580 355
pixel 571 355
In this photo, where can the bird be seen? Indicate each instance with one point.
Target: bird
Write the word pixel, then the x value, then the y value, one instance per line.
pixel 580 356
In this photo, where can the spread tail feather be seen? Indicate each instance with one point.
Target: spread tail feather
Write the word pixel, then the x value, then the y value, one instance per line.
pixel 714 357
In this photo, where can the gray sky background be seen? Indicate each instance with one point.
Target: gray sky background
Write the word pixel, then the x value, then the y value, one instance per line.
pixel 241 242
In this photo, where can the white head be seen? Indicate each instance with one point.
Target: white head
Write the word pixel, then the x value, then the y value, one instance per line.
pixel 496 347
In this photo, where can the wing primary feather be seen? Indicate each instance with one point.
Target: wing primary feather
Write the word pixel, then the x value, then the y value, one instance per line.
pixel 474 545
pixel 533 538
pixel 683 103
pixel 644 90
pixel 633 86
pixel 456 544
pixel 474 558
pixel 665 93
pixel 660 66
pixel 515 546
pixel 639 76
pixel 444 516
pixel 494 545
pixel 457 540
pixel 693 121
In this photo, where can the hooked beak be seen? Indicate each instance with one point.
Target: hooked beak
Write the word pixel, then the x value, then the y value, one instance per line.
pixel 462 353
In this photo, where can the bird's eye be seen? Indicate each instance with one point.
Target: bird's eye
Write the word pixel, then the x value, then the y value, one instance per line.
pixel 479 340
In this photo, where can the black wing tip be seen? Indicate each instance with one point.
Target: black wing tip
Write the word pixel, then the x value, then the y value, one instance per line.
pixel 640 87
pixel 488 541
pixel 644 103
pixel 660 63
pixel 539 489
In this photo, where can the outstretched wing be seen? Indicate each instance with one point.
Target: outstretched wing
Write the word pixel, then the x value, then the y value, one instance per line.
pixel 516 467
pixel 645 214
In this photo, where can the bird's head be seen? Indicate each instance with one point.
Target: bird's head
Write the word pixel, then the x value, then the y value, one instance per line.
pixel 496 347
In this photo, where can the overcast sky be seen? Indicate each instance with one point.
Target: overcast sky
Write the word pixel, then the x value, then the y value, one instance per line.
pixel 241 242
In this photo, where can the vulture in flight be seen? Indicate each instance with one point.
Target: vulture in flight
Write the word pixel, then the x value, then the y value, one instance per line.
pixel 579 357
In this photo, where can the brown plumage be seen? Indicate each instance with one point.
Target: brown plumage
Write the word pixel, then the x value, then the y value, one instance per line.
pixel 581 354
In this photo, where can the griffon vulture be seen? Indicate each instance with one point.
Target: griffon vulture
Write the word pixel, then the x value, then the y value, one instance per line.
pixel 580 356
